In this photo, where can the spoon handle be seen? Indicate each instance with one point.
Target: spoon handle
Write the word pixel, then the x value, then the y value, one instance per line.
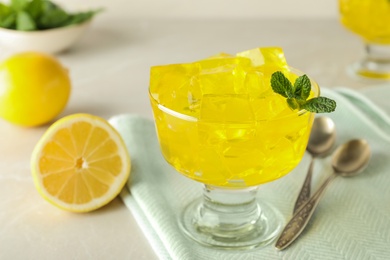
pixel 300 219
pixel 305 191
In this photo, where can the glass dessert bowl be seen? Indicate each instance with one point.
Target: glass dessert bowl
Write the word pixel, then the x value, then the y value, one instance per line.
pixel 369 19
pixel 219 123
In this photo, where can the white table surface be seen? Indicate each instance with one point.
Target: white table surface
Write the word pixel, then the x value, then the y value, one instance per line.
pixel 110 74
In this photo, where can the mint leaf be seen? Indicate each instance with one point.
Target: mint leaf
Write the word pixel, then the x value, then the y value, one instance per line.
pixel 49 6
pixel 4 10
pixel 24 22
pixel 8 21
pixel 7 17
pixel 320 105
pixel 35 8
pixel 82 17
pixel 297 95
pixel 19 5
pixel 292 103
pixel 56 17
pixel 281 85
pixel 302 87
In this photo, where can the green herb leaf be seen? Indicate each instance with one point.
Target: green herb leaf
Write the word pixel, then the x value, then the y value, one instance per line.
pixel 82 17
pixel 24 22
pixel 7 17
pixel 49 6
pixel 35 8
pixel 292 103
pixel 297 95
pixel 9 21
pixel 320 105
pixel 4 10
pixel 53 18
pixel 19 5
pixel 281 85
pixel 302 87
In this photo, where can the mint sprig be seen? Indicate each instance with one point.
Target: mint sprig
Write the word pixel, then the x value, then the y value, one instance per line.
pixel 296 95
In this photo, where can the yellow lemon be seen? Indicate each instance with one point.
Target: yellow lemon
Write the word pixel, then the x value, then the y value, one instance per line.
pixel 34 88
pixel 81 163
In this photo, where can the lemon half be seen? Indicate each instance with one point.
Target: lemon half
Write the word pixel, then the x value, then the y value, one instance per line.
pixel 81 163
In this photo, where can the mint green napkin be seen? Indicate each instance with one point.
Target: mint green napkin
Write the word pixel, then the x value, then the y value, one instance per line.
pixel 351 222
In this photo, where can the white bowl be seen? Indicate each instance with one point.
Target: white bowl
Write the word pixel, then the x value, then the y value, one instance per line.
pixel 49 41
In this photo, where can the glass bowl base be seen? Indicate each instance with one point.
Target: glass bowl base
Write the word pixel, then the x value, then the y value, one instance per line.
pixel 213 232
pixel 370 70
pixel 375 65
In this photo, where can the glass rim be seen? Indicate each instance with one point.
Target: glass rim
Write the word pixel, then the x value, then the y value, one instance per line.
pixel 186 117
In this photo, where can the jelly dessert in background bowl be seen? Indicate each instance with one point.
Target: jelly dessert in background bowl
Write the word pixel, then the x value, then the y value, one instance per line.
pixel 220 123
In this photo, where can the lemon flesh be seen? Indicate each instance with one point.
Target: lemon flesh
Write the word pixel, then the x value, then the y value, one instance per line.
pixel 81 163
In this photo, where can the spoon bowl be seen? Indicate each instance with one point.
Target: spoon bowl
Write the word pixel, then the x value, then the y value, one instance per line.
pixel 322 136
pixel 351 158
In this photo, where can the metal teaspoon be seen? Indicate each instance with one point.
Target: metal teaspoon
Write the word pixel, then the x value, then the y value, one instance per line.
pixel 321 141
pixel 348 160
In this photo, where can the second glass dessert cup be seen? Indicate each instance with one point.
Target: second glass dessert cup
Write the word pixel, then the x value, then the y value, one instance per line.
pixel 370 19
pixel 232 158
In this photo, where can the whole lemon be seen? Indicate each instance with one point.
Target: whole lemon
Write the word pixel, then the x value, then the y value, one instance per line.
pixel 34 88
